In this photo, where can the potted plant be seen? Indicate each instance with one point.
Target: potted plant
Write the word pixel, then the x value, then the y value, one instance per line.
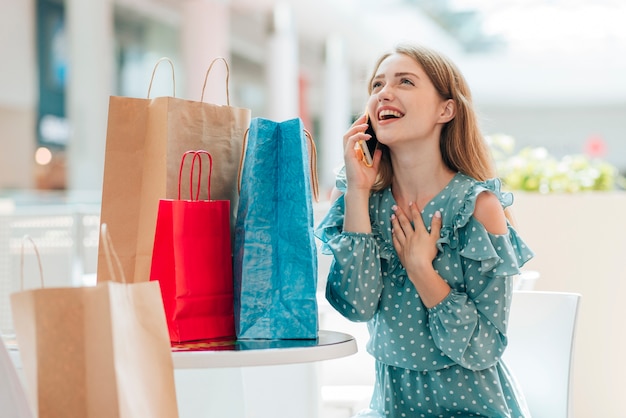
pixel 536 170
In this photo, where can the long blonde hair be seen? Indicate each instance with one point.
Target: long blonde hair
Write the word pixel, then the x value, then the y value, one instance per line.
pixel 462 145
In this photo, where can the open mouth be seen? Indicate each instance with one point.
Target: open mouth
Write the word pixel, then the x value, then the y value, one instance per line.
pixel 387 114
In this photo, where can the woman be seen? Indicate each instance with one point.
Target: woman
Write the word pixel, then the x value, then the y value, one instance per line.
pixel 423 250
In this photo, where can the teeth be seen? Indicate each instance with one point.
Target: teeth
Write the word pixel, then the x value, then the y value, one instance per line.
pixel 388 113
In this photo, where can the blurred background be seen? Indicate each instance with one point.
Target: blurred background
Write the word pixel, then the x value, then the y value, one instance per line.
pixel 547 76
pixel 546 72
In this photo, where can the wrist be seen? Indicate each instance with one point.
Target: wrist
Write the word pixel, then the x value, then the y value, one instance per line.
pixel 429 284
pixel 357 217
pixel 357 195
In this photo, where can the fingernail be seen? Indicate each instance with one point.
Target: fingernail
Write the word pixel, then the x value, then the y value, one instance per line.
pixel 437 214
pixel 394 208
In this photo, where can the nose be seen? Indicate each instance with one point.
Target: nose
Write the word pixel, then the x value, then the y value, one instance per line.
pixel 385 93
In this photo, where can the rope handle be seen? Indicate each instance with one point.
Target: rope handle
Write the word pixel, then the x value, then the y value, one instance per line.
pixel 244 145
pixel 312 163
pixel 28 238
pixel 206 77
pixel 315 187
pixel 110 254
pixel 154 71
pixel 196 155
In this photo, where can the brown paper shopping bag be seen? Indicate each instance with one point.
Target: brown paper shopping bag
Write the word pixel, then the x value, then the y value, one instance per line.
pixel 145 139
pixel 99 351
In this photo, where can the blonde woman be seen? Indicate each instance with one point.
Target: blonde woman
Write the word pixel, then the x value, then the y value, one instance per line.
pixel 423 249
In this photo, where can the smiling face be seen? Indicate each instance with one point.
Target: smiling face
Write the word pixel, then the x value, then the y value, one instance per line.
pixel 404 104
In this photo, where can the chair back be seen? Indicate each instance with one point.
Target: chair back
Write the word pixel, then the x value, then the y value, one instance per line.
pixel 540 349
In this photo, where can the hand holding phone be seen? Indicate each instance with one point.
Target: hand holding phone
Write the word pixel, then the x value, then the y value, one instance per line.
pixel 368 146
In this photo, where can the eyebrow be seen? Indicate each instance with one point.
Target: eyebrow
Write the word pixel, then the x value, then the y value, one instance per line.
pixel 396 75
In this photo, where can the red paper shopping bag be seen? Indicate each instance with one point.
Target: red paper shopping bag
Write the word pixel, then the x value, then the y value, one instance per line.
pixel 192 260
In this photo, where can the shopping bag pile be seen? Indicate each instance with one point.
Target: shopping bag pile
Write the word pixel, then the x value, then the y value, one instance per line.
pixel 266 170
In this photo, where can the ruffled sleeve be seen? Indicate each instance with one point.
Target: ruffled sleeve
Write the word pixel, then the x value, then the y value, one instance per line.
pixel 469 325
pixel 474 242
pixel 354 284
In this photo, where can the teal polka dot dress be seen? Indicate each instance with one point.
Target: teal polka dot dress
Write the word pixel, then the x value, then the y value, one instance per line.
pixel 443 361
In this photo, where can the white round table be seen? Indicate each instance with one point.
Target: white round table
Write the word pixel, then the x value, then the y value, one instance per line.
pixel 254 378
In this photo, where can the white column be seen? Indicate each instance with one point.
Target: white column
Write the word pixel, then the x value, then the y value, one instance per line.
pixel 335 111
pixel 282 65
pixel 90 75
pixel 205 34
pixel 18 94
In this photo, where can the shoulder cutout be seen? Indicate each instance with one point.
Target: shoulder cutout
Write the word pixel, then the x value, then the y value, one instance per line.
pixel 488 211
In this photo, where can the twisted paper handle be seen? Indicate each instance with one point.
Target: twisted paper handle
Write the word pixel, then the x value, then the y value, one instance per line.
pixel 28 238
pixel 154 71
pixel 206 77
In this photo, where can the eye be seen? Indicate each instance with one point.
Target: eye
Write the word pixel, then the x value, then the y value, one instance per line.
pixel 376 85
pixel 407 81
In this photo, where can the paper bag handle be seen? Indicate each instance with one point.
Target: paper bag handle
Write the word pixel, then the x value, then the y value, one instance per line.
pixel 206 77
pixel 196 155
pixel 110 254
pixel 312 163
pixel 28 238
pixel 154 71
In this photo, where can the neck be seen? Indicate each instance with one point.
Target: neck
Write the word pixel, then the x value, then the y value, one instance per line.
pixel 418 177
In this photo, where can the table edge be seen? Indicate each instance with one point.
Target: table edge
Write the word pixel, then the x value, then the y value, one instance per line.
pixel 265 357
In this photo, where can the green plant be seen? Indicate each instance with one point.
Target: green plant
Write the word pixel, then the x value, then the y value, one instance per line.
pixel 534 169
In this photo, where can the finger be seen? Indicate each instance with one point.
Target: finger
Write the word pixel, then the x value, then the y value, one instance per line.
pixel 403 220
pixel 399 246
pixel 361 119
pixel 416 216
pixel 359 125
pixel 435 224
pixel 351 145
pixel 396 230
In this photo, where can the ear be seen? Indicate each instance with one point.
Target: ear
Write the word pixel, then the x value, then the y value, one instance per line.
pixel 448 111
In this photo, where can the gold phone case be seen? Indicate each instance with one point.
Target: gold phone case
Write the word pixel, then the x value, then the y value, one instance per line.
pixel 365 152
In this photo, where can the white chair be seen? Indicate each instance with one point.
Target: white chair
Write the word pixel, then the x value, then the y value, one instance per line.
pixel 526 280
pixel 540 351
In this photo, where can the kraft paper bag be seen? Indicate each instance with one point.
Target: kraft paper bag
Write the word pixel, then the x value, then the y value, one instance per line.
pixel 145 139
pixel 275 259
pixel 99 351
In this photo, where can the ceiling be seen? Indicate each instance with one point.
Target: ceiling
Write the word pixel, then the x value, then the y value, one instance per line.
pixel 549 52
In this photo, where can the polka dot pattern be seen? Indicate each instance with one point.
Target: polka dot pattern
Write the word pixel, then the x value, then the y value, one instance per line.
pixel 442 361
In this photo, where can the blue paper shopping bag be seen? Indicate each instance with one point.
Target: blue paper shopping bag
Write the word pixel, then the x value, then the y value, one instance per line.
pixel 275 260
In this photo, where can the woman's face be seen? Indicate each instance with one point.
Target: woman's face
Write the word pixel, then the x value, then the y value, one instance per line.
pixel 404 105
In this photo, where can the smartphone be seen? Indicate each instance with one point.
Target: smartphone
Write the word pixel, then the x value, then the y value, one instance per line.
pixel 368 147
